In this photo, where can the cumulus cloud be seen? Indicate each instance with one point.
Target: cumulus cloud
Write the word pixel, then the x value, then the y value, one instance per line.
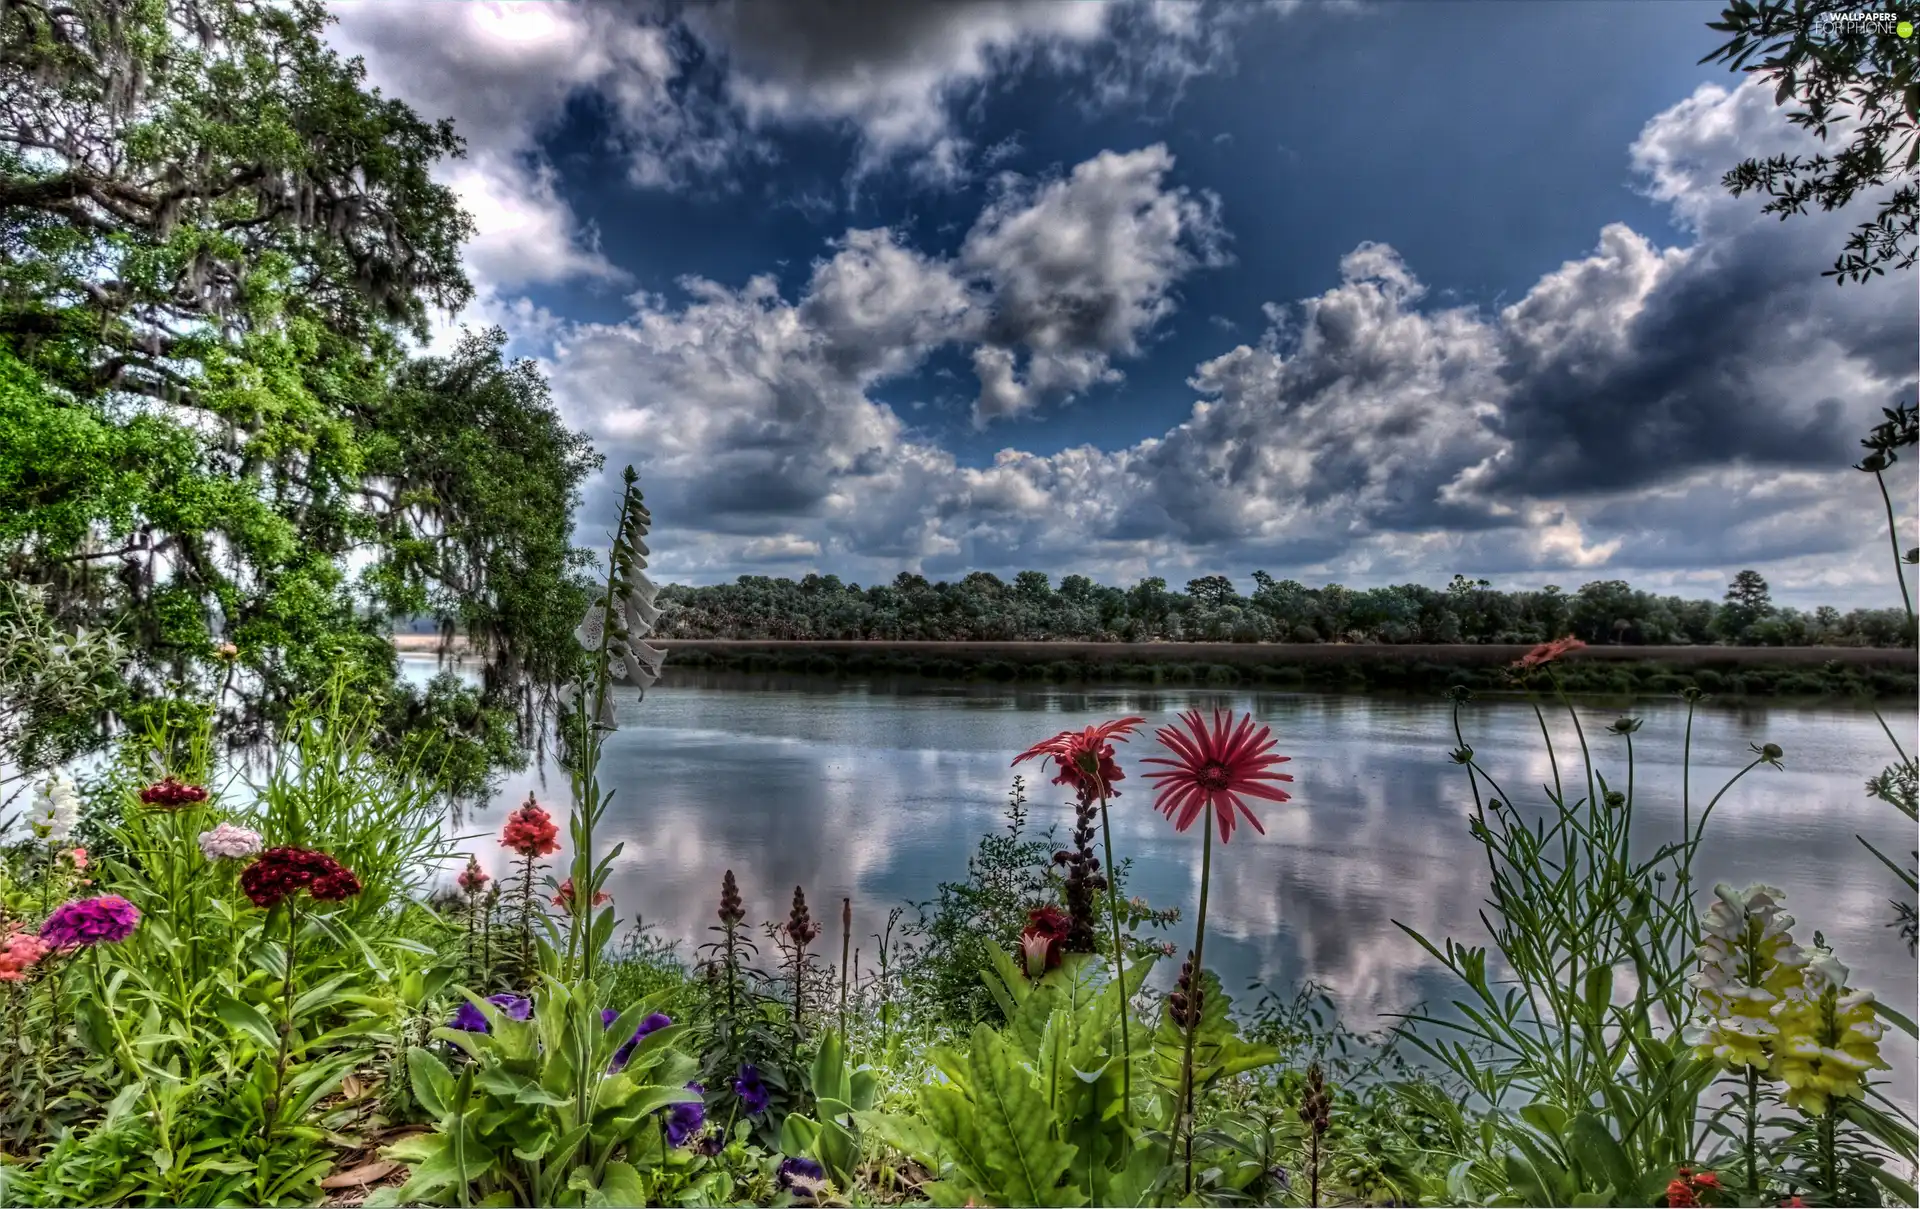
pixel 1641 412
pixel 532 58
pixel 1081 269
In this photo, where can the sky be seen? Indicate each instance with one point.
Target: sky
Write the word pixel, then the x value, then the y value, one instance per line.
pixel 1363 293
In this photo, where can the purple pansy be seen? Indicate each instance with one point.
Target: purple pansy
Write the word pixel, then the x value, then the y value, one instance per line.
pixel 752 1090
pixel 469 1018
pixel 685 1120
pixel 652 1024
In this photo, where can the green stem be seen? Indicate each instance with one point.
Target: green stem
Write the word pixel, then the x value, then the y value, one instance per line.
pixel 286 1038
pixel 1753 1125
pixel 1893 539
pixel 1195 991
pixel 1119 964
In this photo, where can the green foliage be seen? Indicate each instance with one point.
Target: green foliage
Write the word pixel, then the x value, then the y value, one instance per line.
pixel 204 405
pixel 1857 77
pixel 511 1125
pixel 958 932
pixel 979 608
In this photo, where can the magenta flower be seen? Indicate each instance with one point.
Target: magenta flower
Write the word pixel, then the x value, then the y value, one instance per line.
pixel 89 921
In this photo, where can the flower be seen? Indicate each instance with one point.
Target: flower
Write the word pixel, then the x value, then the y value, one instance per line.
pixel 800 1173
pixel 1215 766
pixel 229 843
pixel 685 1120
pixel 1547 652
pixel 752 1090
pixel 732 910
pixel 1041 941
pixel 802 929
pixel 281 872
pixel 77 857
pixel 652 1024
pixel 18 952
pixel 530 831
pixel 1084 758
pixel 56 807
pixel 1829 1037
pixel 1686 1186
pixel 89 921
pixel 473 878
pixel 470 1019
pixel 226 650
pixel 169 794
pixel 564 899
pixel 1748 961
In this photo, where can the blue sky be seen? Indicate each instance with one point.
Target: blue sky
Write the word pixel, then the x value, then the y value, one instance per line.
pixel 1353 292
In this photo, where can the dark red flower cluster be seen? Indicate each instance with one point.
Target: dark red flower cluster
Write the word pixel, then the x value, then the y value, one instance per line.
pixel 530 831
pixel 1044 938
pixel 170 794
pixel 280 872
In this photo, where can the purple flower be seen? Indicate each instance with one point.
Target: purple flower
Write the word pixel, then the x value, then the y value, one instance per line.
pixel 752 1090
pixel 88 921
pixel 798 1168
pixel 685 1120
pixel 469 1018
pixel 651 1024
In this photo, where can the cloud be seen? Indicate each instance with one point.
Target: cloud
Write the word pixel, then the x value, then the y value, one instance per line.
pixel 532 58
pixel 1081 269
pixel 1664 415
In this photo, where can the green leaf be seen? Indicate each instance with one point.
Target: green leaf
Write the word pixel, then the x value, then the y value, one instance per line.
pixel 432 1082
pixel 248 1019
pixel 1016 1128
pixel 1599 1154
pixel 1903 1023
pixel 909 1135
pixel 829 1071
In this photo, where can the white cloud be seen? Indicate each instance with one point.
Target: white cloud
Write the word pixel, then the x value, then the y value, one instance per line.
pixel 1081 269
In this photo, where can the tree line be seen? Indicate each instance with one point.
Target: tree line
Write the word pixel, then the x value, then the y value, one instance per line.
pixel 984 607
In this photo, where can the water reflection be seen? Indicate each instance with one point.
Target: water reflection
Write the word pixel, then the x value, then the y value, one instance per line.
pixel 879 791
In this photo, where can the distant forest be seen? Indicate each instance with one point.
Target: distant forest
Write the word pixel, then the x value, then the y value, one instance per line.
pixel 983 607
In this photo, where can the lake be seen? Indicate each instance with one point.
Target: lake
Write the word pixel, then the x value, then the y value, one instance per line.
pixel 880 791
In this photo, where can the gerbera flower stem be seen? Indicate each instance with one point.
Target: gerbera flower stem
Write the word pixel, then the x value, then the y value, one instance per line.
pixel 1119 965
pixel 1195 1005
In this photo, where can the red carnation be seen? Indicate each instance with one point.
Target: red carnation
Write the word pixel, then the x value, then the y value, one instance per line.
pixel 281 872
pixel 170 794
pixel 530 831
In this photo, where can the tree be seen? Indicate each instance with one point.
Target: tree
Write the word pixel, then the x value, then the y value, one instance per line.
pixel 1857 73
pixel 1212 591
pixel 212 240
pixel 1748 601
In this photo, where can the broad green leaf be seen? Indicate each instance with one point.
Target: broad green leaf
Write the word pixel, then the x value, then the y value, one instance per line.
pixel 1016 1128
pixel 432 1082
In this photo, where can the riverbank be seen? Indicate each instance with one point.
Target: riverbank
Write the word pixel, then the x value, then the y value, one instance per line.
pixel 1860 673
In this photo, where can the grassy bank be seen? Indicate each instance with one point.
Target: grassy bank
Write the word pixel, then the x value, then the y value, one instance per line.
pixel 1799 672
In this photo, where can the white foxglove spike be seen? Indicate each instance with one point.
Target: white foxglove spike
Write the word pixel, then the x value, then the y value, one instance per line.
pixel 641 616
pixel 630 671
pixel 592 628
pixel 652 656
pixel 639 587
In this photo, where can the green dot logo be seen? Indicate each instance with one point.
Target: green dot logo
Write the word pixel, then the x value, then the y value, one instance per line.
pixel 1904 29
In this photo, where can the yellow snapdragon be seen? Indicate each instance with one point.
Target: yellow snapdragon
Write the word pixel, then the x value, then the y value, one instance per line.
pixel 1748 965
pixel 1829 1037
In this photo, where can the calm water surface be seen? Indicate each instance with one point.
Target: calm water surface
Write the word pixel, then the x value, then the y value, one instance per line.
pixel 880 791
